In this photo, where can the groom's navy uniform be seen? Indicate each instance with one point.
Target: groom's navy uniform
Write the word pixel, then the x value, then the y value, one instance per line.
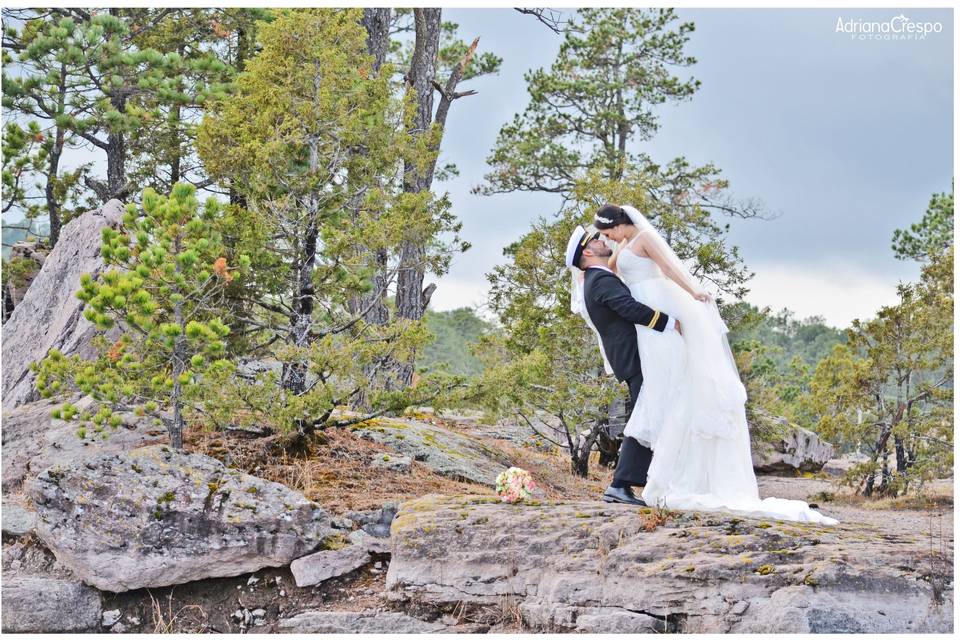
pixel 615 314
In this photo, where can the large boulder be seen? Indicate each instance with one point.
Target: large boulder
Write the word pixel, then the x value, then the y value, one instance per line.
pixel 154 517
pixel 446 452
pixel 50 315
pixel 33 440
pixel 592 567
pixel 798 450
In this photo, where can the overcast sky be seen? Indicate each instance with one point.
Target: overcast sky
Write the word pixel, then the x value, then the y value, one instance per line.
pixel 846 139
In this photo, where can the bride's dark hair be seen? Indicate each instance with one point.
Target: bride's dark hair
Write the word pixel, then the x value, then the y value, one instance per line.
pixel 609 216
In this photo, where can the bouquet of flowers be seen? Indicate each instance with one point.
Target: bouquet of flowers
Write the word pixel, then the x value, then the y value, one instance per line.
pixel 515 484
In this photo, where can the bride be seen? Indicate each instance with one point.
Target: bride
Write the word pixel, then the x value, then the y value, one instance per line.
pixel 690 410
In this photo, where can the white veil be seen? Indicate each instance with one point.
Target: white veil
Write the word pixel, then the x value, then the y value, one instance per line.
pixel 671 260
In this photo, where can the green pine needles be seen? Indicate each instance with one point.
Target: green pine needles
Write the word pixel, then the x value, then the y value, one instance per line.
pixel 160 314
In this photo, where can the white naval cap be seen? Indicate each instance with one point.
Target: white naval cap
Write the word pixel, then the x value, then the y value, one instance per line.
pixel 577 243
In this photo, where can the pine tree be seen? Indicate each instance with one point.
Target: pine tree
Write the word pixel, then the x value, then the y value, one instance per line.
pixel 44 54
pixel 165 294
pixel 311 141
pixel 213 44
pixel 85 73
pixel 890 389
pixel 931 235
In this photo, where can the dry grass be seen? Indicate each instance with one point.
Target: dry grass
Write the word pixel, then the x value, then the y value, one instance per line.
pixel 651 518
pixel 171 621
pixel 335 470
pixel 933 498
pixel 551 471
pixel 338 475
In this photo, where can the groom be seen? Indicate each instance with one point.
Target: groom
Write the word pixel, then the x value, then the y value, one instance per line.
pixel 616 314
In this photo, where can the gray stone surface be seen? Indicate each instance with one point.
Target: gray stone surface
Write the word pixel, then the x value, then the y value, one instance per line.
pixel 50 315
pixel 389 622
pixel 110 618
pixel 392 462
pixel 44 604
pixel 591 567
pixel 376 522
pixel 32 440
pixel 600 620
pixel 17 519
pixel 371 543
pixel 799 451
pixel 154 517
pixel 323 565
pixel 446 452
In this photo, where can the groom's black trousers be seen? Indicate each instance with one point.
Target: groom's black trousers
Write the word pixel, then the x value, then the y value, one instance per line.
pixel 634 460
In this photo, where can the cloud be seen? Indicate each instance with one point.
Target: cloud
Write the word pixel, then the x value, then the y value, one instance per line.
pixel 840 292
pixel 454 293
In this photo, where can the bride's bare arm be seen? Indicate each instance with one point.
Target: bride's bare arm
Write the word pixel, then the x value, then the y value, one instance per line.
pixel 681 277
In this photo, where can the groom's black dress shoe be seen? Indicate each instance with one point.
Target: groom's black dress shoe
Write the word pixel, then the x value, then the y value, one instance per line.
pixel 623 495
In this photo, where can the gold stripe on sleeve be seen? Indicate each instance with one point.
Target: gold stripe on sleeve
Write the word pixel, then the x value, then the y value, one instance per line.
pixel 653 323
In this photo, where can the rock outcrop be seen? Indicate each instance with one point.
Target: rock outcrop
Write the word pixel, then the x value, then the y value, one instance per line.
pixel 613 568
pixel 32 440
pixel 446 452
pixel 154 517
pixel 42 596
pixel 50 315
pixel 798 451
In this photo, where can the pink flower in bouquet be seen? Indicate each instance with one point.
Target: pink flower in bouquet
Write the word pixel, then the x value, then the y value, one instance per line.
pixel 515 484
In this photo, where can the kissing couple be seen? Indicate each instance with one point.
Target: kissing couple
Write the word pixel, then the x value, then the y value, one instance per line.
pixel 686 441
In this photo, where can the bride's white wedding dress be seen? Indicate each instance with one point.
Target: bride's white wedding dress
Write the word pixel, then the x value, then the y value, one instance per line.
pixel 690 410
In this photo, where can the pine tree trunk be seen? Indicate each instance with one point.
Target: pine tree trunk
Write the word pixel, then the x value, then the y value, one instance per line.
pixel 239 62
pixel 411 301
pixel 174 122
pixel 377 24
pixel 902 462
pixel 580 455
pixel 175 428
pixel 53 167
pixel 295 373
pixel 53 207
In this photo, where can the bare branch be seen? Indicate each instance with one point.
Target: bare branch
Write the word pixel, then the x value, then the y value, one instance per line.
pixel 551 18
